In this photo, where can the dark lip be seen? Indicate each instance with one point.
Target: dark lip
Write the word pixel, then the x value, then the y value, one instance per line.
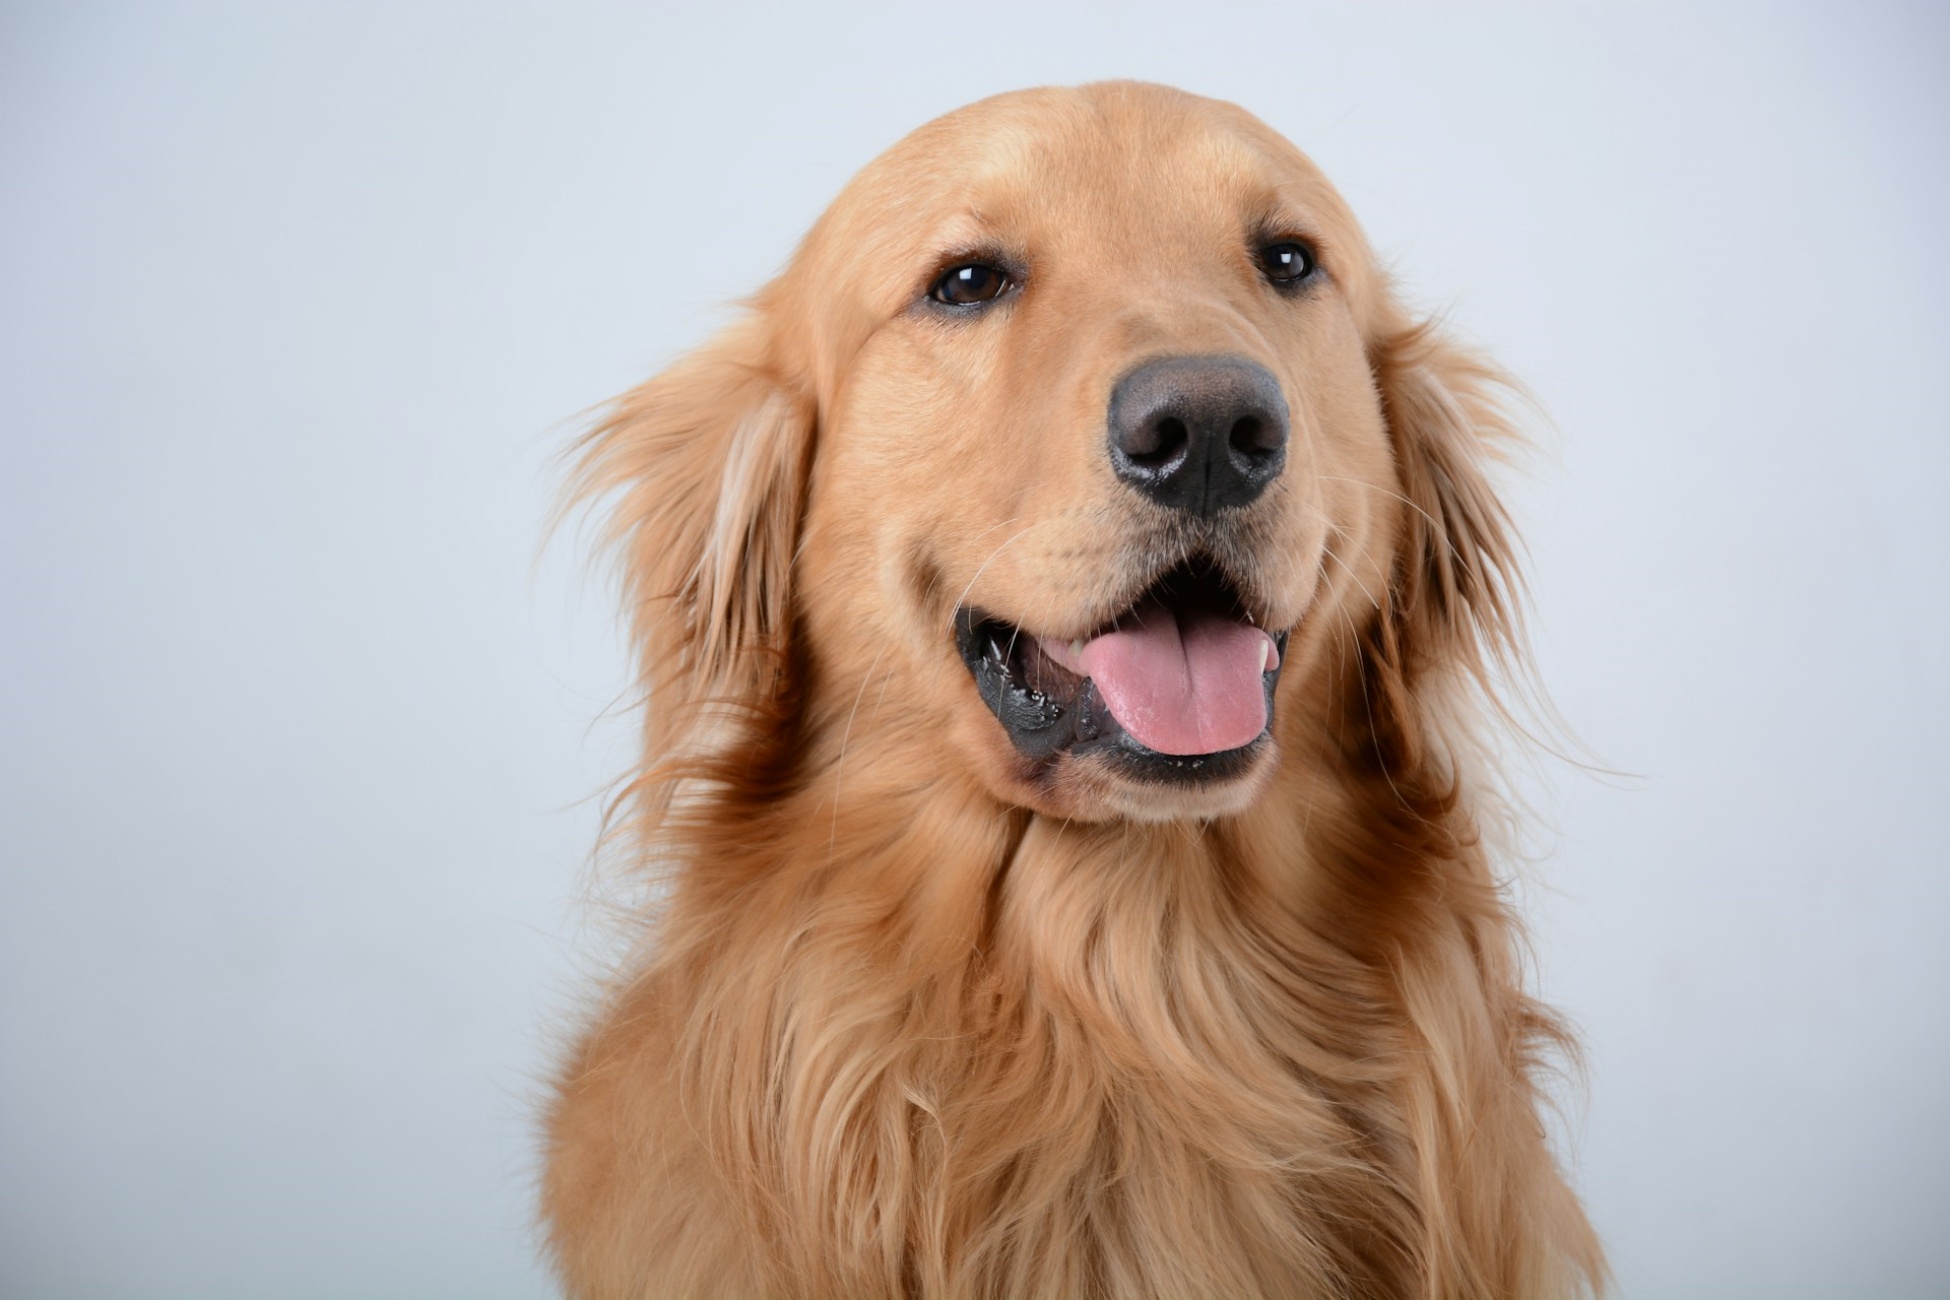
pixel 1044 725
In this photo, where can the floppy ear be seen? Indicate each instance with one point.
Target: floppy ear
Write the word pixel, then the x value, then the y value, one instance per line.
pixel 1454 599
pixel 706 468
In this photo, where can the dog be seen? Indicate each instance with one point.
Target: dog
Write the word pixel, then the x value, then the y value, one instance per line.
pixel 1068 604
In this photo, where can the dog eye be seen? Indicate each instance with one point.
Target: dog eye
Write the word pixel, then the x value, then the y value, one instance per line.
pixel 1287 262
pixel 965 286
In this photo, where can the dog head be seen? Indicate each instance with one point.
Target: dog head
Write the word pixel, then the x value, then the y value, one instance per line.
pixel 1081 441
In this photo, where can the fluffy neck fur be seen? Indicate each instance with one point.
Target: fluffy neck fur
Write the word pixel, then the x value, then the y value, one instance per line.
pixel 959 1050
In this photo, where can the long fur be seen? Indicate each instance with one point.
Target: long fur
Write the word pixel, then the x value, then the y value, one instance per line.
pixel 888 1037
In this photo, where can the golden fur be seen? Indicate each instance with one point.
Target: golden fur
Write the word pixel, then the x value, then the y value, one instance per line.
pixel 914 1017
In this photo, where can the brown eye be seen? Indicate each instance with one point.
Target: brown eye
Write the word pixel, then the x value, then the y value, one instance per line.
pixel 970 285
pixel 1287 262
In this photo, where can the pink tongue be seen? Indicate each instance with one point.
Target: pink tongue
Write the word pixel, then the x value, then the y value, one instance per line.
pixel 1182 687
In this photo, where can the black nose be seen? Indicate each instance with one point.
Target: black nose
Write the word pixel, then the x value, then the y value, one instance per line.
pixel 1200 434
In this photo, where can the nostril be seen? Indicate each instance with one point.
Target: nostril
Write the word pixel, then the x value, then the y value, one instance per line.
pixel 1249 436
pixel 1157 442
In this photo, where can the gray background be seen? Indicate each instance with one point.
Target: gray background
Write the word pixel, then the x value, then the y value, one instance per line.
pixel 298 735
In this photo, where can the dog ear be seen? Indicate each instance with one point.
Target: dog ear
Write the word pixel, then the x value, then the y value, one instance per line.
pixel 704 472
pixel 1455 598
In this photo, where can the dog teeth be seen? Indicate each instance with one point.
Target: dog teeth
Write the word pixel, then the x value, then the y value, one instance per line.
pixel 1076 650
pixel 1272 657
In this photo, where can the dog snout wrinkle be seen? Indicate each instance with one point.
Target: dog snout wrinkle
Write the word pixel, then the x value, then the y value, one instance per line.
pixel 1198 434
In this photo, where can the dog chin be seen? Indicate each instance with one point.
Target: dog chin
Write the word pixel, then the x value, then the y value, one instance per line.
pixel 1104 786
pixel 1129 798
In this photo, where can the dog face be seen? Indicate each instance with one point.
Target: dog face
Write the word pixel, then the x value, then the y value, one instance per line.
pixel 1079 424
pixel 1101 436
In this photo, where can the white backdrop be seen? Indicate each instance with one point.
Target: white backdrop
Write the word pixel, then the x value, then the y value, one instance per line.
pixel 296 302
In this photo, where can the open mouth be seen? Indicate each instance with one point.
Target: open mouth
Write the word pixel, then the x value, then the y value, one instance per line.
pixel 1176 689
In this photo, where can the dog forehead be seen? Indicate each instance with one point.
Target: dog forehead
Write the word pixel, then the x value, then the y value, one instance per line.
pixel 1114 160
pixel 1082 147
pixel 1057 175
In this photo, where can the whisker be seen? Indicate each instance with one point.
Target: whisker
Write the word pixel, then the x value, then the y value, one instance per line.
pixel 1350 573
pixel 977 577
pixel 1432 521
pixel 880 698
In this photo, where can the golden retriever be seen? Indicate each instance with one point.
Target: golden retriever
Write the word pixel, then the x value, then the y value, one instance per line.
pixel 1066 603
